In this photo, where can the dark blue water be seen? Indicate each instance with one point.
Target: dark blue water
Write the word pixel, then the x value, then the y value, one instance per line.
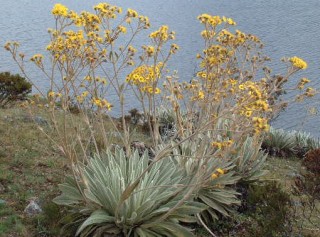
pixel 287 28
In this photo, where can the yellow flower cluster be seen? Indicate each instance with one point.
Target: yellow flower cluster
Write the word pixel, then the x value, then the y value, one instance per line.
pixel 69 43
pixel 214 55
pixel 254 98
pixel 229 21
pixel 82 97
pixel 76 19
pixel 298 62
pixel 145 21
pixel 149 50
pixel 144 74
pixel 122 29
pixel 174 48
pixel 208 34
pixel 214 21
pixel 201 95
pixel 151 90
pixel 60 10
pixel 198 94
pixel 37 59
pixel 145 77
pixel 210 20
pixel 222 145
pixel 132 13
pixel 302 82
pixel 102 103
pixel 227 38
pixel 52 95
pixel 108 11
pixel 162 34
pixel 310 92
pixel 218 173
pixel 90 21
pixel 260 124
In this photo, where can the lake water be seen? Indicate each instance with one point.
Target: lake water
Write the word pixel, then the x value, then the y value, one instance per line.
pixel 287 27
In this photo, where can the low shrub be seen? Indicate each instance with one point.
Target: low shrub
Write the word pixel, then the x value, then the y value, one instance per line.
pixel 281 143
pixel 269 210
pixel 278 142
pixel 13 88
pixel 309 182
pixel 312 161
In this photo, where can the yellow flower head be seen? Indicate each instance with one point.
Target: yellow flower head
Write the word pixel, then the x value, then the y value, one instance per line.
pixel 132 13
pixel 122 29
pixel 149 50
pixel 201 95
pixel 210 20
pixel 298 63
pixel 51 94
pixel 60 10
pixel 214 176
pixel 220 171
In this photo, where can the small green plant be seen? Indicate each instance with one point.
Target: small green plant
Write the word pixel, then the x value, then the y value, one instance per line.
pixel 101 206
pixel 52 214
pixel 13 88
pixel 167 123
pixel 304 142
pixel 279 142
pixel 269 209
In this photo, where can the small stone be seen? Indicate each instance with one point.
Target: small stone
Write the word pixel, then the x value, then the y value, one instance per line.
pixel 297 203
pixel 49 178
pixel 293 174
pixel 41 121
pixel 33 208
pixel 38 119
pixel 7 118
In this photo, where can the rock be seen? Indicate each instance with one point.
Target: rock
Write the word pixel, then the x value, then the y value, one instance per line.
pixel 7 118
pixel 293 174
pixel 38 119
pixel 41 121
pixel 297 203
pixel 33 208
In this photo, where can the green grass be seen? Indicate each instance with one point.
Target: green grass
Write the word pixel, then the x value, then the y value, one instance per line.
pixel 29 167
